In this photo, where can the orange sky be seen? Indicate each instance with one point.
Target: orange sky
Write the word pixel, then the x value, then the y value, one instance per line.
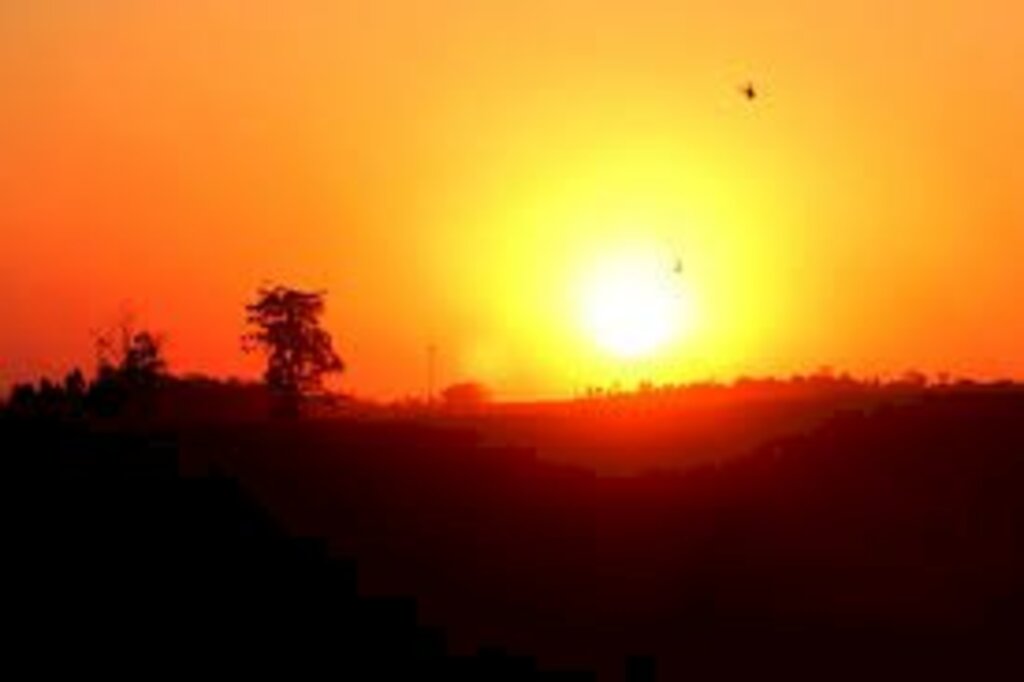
pixel 451 170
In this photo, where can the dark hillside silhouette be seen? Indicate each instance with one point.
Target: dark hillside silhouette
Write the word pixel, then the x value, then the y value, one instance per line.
pixel 126 567
pixel 821 529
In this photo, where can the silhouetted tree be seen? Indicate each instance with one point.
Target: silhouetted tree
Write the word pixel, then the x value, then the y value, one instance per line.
pixel 49 398
pixel 128 373
pixel 74 390
pixel 22 401
pixel 75 384
pixel 299 352
pixel 142 363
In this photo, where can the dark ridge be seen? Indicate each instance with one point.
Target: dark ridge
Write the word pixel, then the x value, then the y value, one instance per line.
pixel 124 567
pixel 876 539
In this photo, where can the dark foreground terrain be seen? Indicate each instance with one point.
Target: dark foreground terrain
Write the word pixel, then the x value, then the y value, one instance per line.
pixel 882 540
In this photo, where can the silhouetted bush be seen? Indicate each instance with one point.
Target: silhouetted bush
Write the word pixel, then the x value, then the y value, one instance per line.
pixel 467 395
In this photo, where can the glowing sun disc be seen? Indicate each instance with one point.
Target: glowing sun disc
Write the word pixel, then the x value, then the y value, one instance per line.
pixel 632 308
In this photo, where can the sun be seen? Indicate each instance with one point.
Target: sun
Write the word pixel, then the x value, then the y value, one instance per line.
pixel 633 305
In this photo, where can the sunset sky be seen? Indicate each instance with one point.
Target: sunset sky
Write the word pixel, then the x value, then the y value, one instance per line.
pixel 485 175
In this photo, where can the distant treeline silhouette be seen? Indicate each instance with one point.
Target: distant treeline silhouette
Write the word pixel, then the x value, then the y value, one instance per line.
pixel 132 378
pixel 127 378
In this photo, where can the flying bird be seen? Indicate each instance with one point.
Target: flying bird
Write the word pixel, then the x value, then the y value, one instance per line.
pixel 748 91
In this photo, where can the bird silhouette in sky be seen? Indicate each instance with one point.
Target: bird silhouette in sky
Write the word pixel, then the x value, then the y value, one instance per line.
pixel 748 91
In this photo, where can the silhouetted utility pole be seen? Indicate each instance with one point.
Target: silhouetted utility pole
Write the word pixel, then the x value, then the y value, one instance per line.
pixel 431 371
